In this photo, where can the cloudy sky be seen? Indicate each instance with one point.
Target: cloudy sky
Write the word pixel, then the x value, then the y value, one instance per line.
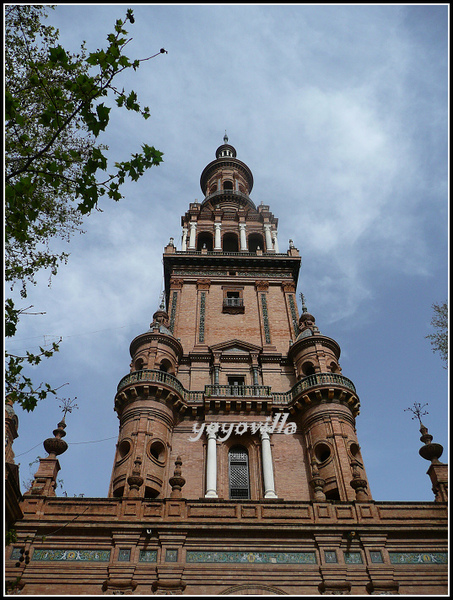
pixel 340 111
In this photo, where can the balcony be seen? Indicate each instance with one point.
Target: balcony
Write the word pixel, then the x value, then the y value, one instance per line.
pixel 233 305
pixel 237 391
pixel 317 386
pixel 312 384
pixel 154 376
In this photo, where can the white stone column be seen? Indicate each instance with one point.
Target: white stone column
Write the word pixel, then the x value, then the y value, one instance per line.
pixel 211 462
pixel 242 236
pixel 267 233
pixel 268 470
pixel 193 231
pixel 274 238
pixel 184 239
pixel 217 237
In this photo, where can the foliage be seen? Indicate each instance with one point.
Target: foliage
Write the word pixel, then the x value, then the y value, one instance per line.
pixel 439 339
pixel 56 171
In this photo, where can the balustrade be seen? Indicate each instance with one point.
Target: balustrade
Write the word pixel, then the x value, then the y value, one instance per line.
pixel 235 391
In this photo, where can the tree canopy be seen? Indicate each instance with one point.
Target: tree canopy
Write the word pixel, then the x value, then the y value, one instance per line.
pixel 56 169
pixel 439 339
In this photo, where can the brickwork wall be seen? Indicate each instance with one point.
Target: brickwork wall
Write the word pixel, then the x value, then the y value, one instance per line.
pixel 141 547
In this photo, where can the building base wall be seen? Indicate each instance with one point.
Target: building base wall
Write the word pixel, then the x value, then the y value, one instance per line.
pixel 88 546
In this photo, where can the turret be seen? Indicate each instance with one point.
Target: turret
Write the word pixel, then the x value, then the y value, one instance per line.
pixel 327 405
pixel 146 403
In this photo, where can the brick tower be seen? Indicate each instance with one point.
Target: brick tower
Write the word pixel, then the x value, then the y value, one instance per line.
pixel 249 396
pixel 237 469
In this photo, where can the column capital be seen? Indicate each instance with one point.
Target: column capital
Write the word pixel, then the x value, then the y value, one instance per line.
pixel 211 431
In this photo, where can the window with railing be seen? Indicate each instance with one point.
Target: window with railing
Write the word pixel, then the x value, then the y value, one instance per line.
pixel 233 301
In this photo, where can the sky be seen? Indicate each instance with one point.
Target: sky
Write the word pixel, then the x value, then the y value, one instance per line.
pixel 341 113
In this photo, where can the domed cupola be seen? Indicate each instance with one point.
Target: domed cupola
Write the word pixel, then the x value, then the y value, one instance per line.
pixel 160 321
pixel 157 348
pixel 225 150
pixel 313 352
pixel 226 178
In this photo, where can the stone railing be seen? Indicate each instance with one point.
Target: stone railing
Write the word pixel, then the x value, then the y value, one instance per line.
pixel 312 381
pixel 237 391
pixel 234 391
pixel 154 376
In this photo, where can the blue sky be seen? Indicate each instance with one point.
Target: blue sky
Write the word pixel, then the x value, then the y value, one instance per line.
pixel 341 113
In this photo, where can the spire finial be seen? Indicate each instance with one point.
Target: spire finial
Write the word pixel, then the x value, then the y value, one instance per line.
pixel 67 406
pixel 417 411
pixel 429 451
pixel 225 138
pixel 302 299
pixel 162 302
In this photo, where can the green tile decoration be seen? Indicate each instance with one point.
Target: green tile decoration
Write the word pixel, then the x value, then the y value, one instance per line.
pixel 194 556
pixel 353 558
pixel 148 556
pixel 413 558
pixel 71 555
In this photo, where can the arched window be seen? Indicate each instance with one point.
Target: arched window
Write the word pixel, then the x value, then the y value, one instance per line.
pixel 238 470
pixel 256 241
pixel 227 185
pixel 230 242
pixel 204 240
pixel 308 369
pixel 166 366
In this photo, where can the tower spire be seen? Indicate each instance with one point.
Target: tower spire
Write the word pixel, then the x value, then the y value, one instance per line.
pixel 437 471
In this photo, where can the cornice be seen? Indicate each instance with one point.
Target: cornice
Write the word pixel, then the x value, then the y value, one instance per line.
pixel 311 341
pixel 148 337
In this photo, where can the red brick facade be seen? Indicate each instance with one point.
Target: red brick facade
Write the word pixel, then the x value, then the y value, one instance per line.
pixel 238 469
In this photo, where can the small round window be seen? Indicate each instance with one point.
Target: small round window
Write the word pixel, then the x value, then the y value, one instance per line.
pixel 157 451
pixel 322 452
pixel 123 449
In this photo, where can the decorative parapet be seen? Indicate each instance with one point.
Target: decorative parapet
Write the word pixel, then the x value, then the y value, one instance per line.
pixel 234 391
pixel 349 516
pixel 310 389
pixel 317 387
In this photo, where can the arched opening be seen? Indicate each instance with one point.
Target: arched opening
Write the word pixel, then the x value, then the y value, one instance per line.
pixel 165 366
pixel 238 470
pixel 151 492
pixel 256 242
pixel 230 242
pixel 332 494
pixel 139 364
pixel 118 492
pixel 204 241
pixel 334 367
pixel 227 185
pixel 123 449
pixel 157 451
pixel 308 369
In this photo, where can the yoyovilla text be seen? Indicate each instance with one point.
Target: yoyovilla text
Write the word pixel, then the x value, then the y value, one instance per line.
pixel 226 429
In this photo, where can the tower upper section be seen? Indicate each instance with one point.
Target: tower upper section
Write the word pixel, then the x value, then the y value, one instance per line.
pixel 227 220
pixel 226 175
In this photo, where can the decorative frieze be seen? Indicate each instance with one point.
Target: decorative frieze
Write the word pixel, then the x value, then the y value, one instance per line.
pixel 308 558
pixel 148 556
pixel 413 558
pixel 267 333
pixel 225 273
pixel 202 317
pixel 173 311
pixel 76 555
pixel 353 558
pixel 292 308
